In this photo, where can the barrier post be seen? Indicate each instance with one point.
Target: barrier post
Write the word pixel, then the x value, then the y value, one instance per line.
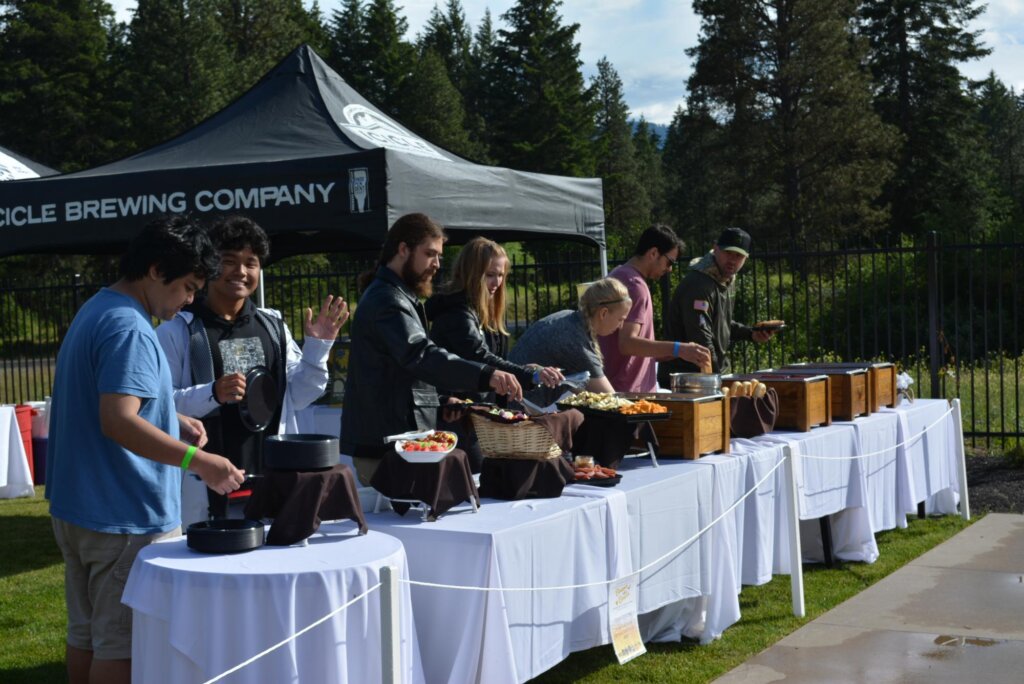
pixel 796 567
pixel 390 621
pixel 961 461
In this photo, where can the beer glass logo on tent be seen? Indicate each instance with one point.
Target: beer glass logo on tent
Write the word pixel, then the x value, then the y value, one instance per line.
pixel 12 169
pixel 358 190
pixel 380 131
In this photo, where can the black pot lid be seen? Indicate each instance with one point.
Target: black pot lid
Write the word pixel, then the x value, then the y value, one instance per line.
pixel 258 406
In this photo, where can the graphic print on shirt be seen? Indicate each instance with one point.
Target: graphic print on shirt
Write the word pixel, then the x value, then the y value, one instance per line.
pixel 242 354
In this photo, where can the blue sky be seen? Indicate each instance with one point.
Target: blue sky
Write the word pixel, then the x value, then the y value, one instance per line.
pixel 645 40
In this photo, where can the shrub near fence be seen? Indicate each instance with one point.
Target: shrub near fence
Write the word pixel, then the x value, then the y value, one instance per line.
pixel 947 314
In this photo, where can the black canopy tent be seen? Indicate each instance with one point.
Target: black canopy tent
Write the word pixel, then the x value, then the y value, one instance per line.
pixel 14 166
pixel 314 163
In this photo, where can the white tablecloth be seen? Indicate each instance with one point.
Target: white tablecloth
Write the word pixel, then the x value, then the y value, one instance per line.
pixel 666 507
pixel 927 463
pixel 15 476
pixel 198 615
pixel 512 636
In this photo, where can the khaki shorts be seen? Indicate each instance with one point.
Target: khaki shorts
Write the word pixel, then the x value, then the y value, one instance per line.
pixel 96 567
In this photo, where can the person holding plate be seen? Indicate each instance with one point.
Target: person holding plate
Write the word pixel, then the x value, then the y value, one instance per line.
pixel 215 343
pixel 702 306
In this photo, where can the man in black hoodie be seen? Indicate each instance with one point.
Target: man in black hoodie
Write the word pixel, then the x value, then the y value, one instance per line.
pixel 702 306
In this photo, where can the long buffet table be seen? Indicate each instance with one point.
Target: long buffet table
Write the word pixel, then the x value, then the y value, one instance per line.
pixel 495 595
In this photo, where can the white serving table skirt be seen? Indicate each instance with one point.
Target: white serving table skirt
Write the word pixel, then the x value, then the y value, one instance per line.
pixel 499 637
pixel 680 595
pixel 198 615
pixel 15 476
pixel 927 460
pixel 877 437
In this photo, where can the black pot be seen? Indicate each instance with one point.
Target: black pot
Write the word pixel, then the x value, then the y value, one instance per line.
pixel 300 452
pixel 225 536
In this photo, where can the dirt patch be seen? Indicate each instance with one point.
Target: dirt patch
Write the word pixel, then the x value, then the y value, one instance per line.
pixel 994 486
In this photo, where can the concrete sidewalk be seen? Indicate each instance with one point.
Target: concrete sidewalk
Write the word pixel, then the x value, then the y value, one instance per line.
pixel 956 614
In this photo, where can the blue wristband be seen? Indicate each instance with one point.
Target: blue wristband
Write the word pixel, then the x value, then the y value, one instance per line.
pixel 675 348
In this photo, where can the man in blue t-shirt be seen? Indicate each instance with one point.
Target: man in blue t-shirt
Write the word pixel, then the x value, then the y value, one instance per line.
pixel 113 467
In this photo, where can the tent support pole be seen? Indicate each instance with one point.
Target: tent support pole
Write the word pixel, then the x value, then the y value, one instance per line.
pixel 604 261
pixel 260 301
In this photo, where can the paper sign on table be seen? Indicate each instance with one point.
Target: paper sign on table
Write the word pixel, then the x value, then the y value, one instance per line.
pixel 622 620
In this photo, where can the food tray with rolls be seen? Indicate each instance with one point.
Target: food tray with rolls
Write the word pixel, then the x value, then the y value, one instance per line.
pixel 805 400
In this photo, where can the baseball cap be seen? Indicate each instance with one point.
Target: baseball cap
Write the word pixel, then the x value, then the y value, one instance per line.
pixel 734 240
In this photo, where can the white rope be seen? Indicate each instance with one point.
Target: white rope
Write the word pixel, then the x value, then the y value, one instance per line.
pixel 302 631
pixel 645 568
pixel 907 442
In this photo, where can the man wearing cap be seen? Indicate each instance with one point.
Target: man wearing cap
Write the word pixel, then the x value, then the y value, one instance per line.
pixel 702 305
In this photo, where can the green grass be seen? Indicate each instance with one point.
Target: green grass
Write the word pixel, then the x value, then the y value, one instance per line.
pixel 33 617
pixel 766 616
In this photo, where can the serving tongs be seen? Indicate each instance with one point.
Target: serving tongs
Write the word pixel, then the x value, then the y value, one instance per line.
pixel 415 434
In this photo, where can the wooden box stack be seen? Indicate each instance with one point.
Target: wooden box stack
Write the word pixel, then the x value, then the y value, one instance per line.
pixel 881 379
pixel 698 426
pixel 849 387
pixel 804 399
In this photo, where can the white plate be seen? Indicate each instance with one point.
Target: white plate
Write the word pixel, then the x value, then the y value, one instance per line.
pixel 424 456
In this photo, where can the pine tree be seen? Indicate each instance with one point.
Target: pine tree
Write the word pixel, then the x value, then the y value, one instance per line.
pixel 177 68
pixel 56 104
pixel 480 99
pixel 807 155
pixel 391 57
pixel 432 106
pixel 647 148
pixel 626 204
pixel 450 37
pixel 543 112
pixel 915 48
pixel 1001 115
pixel 700 191
pixel 349 53
pixel 262 32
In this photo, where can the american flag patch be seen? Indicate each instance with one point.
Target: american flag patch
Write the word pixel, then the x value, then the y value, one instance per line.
pixel 701 305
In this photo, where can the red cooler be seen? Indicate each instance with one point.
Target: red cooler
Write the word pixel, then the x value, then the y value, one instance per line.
pixel 24 414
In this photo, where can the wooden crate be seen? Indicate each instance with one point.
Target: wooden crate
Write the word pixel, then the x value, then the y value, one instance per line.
pixel 804 400
pixel 698 426
pixel 881 380
pixel 849 389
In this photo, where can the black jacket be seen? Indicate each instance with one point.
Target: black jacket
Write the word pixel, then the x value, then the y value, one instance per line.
pixel 393 369
pixel 701 312
pixel 455 326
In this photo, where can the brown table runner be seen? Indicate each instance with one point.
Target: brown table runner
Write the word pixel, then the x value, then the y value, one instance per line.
pixel 299 501
pixel 513 479
pixel 609 439
pixel 440 485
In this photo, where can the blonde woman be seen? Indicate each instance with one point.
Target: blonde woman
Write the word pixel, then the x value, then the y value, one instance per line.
pixel 568 339
pixel 468 315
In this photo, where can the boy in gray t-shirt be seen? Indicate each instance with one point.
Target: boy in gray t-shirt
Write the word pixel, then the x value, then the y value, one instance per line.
pixel 560 340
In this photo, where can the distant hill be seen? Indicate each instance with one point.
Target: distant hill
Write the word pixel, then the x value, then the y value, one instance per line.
pixel 660 129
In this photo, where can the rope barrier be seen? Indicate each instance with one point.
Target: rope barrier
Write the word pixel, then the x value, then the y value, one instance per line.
pixel 904 443
pixel 645 568
pixel 302 631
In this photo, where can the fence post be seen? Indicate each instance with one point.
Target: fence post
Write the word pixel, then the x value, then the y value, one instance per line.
pixel 390 627
pixel 796 567
pixel 934 322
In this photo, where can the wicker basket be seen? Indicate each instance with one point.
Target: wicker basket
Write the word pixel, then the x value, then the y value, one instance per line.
pixel 525 441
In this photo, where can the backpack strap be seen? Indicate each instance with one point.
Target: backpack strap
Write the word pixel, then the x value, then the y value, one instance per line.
pixel 275 326
pixel 200 356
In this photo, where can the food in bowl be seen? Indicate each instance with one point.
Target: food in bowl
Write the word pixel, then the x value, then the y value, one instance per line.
pixel 438 441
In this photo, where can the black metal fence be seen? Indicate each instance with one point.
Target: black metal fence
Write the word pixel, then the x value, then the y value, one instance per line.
pixel 947 314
